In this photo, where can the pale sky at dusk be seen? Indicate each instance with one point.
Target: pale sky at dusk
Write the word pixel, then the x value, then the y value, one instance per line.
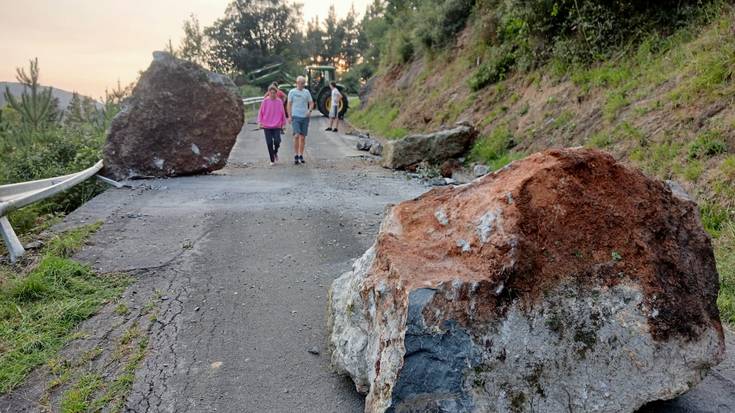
pixel 87 45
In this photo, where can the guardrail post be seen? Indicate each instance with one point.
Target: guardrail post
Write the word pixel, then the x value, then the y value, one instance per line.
pixel 11 240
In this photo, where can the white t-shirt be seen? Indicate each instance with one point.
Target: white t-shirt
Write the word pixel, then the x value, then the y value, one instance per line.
pixel 335 97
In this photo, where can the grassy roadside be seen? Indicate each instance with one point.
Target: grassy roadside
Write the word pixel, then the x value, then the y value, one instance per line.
pixel 42 304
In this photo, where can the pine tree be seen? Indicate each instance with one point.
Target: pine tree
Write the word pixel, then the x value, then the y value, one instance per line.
pixel 37 106
pixel 193 46
pixel 74 111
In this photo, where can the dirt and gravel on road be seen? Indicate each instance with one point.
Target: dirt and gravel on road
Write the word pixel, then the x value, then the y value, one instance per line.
pixel 232 271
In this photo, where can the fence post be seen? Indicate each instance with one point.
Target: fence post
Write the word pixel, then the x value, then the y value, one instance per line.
pixel 15 248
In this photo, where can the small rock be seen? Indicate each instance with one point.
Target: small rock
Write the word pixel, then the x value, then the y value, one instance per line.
pixel 314 350
pixel 436 182
pixel 196 308
pixel 34 245
pixel 480 170
pixel 376 149
pixel 447 168
pixel 364 144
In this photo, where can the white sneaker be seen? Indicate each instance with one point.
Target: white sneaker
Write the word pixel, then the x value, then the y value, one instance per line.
pixel 273 163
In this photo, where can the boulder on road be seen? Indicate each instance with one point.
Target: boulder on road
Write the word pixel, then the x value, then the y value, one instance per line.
pixel 179 120
pixel 563 282
pixel 434 147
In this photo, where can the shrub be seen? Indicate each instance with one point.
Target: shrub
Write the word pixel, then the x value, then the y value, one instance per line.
pixel 493 149
pixel 714 217
pixel 493 70
pixel 707 144
pixel 438 21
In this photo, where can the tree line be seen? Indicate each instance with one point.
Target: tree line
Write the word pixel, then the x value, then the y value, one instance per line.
pixel 256 33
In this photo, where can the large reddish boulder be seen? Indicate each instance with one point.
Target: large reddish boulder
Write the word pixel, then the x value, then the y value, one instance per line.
pixel 180 120
pixel 563 282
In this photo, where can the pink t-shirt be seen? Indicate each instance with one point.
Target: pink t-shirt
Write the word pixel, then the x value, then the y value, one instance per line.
pixel 272 115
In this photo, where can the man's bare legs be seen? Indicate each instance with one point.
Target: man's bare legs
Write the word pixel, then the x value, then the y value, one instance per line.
pixel 299 142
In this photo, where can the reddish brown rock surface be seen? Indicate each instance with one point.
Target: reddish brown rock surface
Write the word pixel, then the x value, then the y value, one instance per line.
pixel 564 279
pixel 180 120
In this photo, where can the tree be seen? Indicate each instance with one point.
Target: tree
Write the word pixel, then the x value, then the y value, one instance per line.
pixel 253 33
pixel 111 105
pixel 193 46
pixel 350 50
pixel 81 110
pixel 333 37
pixel 169 47
pixel 37 106
pixel 314 41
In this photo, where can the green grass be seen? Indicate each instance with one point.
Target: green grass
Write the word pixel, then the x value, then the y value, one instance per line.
pixel 494 149
pixel 378 117
pixel 94 391
pixel 725 256
pixel 40 310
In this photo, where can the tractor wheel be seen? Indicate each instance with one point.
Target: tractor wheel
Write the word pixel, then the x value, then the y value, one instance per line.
pixel 344 105
pixel 323 100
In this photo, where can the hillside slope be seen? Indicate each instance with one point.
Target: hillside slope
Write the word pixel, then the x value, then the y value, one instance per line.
pixel 665 106
pixel 17 89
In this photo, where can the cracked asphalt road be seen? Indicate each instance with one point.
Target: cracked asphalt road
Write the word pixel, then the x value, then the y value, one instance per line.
pixel 237 265
pixel 240 262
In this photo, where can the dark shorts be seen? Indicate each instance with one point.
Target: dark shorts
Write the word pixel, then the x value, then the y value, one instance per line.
pixel 300 126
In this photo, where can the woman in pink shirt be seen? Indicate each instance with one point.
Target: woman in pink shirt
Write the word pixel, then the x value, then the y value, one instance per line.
pixel 272 118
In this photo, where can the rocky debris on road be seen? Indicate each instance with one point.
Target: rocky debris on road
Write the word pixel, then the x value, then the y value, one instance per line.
pixel 480 170
pixel 563 282
pixel 449 167
pixel 434 147
pixel 180 120
pixel 376 148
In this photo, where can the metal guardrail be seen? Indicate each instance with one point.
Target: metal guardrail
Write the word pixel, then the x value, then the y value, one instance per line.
pixel 16 196
pixel 252 102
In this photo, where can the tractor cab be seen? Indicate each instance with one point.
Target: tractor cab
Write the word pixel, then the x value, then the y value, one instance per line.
pixel 319 77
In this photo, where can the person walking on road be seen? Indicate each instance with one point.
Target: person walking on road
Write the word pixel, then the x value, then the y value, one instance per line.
pixel 281 96
pixel 334 108
pixel 272 118
pixel 300 105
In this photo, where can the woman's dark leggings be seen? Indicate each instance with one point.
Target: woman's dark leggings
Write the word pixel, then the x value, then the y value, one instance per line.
pixel 273 140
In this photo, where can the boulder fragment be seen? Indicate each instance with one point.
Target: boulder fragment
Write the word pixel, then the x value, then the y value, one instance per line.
pixel 563 282
pixel 376 148
pixel 434 147
pixel 480 170
pixel 179 120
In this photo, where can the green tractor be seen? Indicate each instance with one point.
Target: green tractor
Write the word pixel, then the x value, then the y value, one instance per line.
pixel 317 82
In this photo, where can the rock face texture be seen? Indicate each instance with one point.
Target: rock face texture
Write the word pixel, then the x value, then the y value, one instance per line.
pixel 180 120
pixel 562 282
pixel 434 148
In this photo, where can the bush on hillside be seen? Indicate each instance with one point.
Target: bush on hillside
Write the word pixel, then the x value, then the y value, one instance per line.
pixel 439 21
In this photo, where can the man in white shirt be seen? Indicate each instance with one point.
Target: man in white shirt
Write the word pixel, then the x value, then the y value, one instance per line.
pixel 334 108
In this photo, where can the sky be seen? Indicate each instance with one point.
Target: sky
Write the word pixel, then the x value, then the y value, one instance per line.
pixel 88 45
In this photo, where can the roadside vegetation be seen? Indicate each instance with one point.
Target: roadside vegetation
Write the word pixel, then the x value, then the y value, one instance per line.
pixel 38 139
pixel 42 303
pixel 652 83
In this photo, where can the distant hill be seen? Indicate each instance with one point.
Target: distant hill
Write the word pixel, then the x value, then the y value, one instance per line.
pixel 16 89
